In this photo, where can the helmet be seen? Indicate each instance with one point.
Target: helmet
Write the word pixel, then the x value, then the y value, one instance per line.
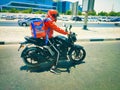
pixel 53 14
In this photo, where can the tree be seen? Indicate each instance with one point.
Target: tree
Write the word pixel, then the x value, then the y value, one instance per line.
pixel 79 13
pixel 39 12
pixel 112 13
pixel 13 10
pixel 118 14
pixel 69 12
pixel 93 13
pixel 4 10
pixel 27 10
pixel 103 14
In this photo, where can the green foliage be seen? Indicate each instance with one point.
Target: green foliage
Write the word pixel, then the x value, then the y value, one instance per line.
pixel 4 10
pixel 103 14
pixel 79 13
pixel 68 12
pixel 27 10
pixel 112 13
pixel 118 14
pixel 93 13
pixel 13 10
pixel 39 12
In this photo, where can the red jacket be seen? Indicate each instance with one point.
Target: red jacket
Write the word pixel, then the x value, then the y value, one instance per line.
pixel 49 23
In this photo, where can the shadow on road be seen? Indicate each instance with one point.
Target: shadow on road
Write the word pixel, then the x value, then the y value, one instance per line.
pixel 64 66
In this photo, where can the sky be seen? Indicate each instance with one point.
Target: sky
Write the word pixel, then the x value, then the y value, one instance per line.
pixel 104 5
pixel 107 5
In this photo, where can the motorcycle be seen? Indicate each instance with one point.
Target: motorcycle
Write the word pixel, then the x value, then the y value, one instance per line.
pixel 36 52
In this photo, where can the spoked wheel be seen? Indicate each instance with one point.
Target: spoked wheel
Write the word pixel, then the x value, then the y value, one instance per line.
pixel 32 57
pixel 77 55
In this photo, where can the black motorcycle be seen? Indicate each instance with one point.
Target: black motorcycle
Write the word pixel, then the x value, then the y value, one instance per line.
pixel 36 51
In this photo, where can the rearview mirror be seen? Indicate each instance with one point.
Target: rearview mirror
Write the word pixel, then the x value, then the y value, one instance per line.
pixel 70 27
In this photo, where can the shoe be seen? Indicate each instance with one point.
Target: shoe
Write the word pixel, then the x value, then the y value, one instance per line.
pixel 56 71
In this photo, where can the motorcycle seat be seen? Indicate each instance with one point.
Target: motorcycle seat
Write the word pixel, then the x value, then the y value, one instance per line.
pixel 36 41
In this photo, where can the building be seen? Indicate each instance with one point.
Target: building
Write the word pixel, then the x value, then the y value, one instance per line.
pixel 43 5
pixel 62 6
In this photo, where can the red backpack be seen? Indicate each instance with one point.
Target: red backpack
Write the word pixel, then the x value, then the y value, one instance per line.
pixel 36 29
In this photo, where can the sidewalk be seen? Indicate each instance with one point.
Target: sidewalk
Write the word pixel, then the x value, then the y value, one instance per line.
pixel 14 35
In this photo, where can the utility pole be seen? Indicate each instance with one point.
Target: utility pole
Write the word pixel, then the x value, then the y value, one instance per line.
pixel 87 6
pixel 85 21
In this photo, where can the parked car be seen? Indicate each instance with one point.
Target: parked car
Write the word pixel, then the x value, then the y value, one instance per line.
pixel 10 17
pixel 77 18
pixel 26 21
pixel 59 18
pixel 65 19
pixel 104 19
pixel 115 20
pixel 3 16
pixel 92 19
pixel 42 16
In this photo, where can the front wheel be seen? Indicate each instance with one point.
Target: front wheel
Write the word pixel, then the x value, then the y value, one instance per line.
pixel 77 55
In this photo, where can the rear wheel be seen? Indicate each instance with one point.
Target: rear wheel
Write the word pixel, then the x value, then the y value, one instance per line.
pixel 32 57
pixel 77 55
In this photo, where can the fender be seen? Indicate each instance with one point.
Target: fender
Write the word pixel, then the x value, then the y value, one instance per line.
pixel 28 49
pixel 74 47
pixel 24 51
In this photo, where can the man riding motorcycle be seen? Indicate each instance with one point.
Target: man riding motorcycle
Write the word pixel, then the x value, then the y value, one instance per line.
pixel 50 25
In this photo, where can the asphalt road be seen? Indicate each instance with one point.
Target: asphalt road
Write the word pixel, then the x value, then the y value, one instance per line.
pixel 100 71
pixel 74 24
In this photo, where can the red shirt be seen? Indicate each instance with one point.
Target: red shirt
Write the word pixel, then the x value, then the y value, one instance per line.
pixel 52 26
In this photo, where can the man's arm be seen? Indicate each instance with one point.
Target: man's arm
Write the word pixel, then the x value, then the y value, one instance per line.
pixel 56 28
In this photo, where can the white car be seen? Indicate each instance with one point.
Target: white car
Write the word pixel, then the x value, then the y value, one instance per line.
pixel 27 21
pixel 65 19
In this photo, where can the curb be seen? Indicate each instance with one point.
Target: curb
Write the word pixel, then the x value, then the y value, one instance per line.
pixel 99 39
pixel 8 43
pixel 79 40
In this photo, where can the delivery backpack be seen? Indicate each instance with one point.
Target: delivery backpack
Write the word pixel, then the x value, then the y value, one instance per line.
pixel 37 31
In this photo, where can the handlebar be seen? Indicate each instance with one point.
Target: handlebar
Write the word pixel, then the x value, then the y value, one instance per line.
pixel 71 36
pixel 67 27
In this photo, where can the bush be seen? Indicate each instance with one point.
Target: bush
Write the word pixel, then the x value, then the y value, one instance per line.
pixel 103 14
pixel 27 10
pixel 39 12
pixel 68 13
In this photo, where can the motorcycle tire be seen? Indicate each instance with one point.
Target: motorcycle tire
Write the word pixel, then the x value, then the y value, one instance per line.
pixel 29 57
pixel 77 55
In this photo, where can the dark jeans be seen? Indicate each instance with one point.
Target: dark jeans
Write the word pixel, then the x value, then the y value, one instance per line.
pixel 50 42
